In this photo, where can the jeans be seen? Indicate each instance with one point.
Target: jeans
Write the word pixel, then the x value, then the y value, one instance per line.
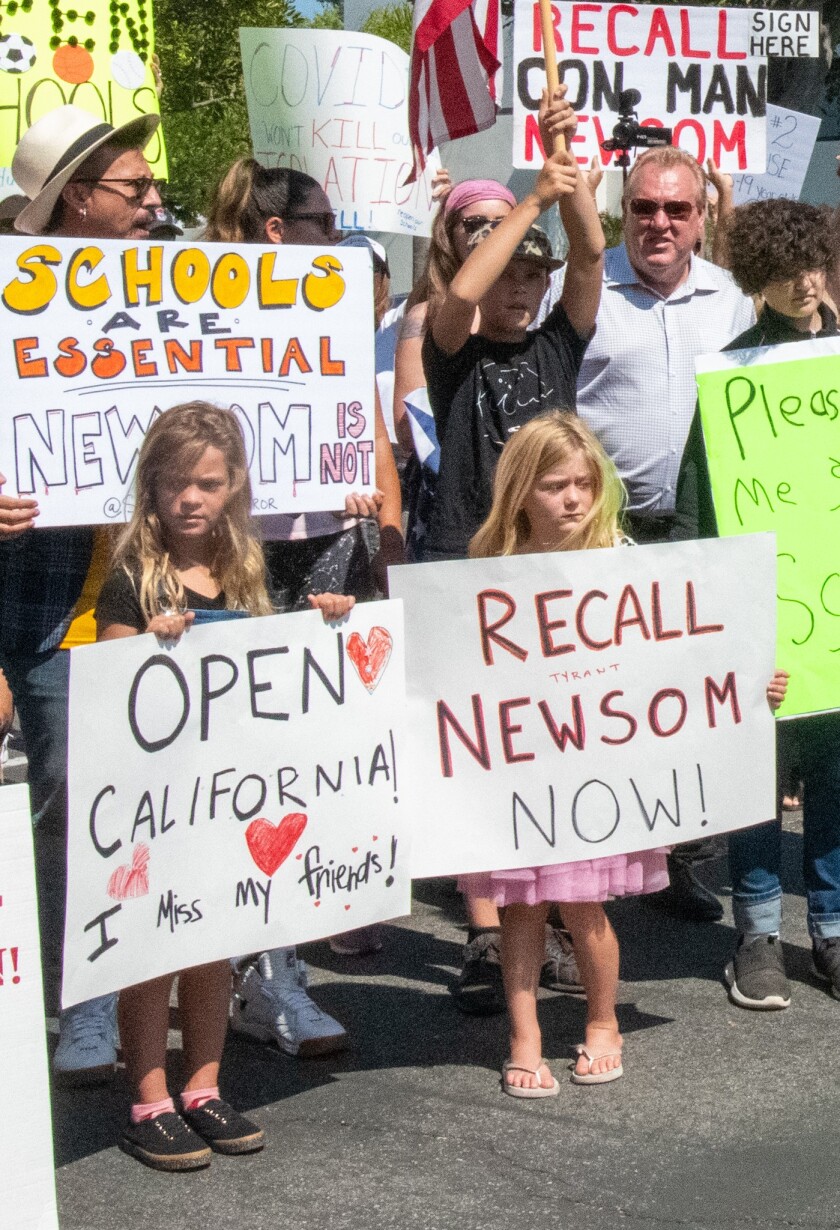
pixel 39 683
pixel 755 854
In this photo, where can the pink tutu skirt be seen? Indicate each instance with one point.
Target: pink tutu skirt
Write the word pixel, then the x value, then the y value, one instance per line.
pixel 597 879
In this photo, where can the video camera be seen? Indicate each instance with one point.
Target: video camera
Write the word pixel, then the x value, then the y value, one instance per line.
pixel 629 134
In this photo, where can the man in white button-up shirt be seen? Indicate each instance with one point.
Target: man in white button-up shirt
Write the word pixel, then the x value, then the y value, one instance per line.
pixel 661 306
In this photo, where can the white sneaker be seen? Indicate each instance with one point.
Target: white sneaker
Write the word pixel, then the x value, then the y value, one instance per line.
pixel 270 1003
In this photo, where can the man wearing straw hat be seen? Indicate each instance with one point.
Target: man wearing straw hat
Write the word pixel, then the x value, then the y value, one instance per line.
pixel 86 179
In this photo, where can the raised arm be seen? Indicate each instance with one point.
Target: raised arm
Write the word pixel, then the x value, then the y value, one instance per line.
pixel 485 264
pixel 579 215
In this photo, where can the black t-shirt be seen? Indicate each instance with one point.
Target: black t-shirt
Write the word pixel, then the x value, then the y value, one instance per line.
pixel 119 603
pixel 479 397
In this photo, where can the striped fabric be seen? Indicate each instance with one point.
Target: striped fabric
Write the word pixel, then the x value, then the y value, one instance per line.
pixel 454 61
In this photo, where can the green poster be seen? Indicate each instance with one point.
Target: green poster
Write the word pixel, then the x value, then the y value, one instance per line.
pixel 96 54
pixel 771 421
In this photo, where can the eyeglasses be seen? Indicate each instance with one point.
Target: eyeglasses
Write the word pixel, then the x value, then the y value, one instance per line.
pixel 140 187
pixel 325 220
pixel 675 211
pixel 475 222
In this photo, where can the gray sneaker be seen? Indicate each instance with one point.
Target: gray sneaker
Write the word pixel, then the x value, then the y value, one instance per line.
pixel 756 975
pixel 826 962
pixel 478 989
pixel 87 1042
pixel 560 970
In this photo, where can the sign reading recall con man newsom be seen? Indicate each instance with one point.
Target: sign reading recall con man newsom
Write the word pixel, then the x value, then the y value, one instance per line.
pixel 771 423
pixel 588 703
pixel 99 338
pixel 247 796
pixel 699 71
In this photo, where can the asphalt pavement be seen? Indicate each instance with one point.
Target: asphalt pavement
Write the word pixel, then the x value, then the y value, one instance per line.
pixel 724 1118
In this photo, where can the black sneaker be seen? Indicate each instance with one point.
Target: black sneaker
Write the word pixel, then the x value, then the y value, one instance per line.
pixel 825 962
pixel 224 1129
pixel 166 1143
pixel 756 975
pixel 478 989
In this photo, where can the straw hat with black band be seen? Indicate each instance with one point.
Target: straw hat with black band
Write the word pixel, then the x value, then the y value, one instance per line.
pixel 51 152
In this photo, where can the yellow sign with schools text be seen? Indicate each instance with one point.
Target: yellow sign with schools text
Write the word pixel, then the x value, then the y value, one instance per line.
pixel 96 54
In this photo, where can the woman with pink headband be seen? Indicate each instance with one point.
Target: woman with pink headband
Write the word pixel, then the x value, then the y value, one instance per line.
pixel 465 209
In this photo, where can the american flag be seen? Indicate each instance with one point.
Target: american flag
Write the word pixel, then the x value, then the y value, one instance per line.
pixel 454 62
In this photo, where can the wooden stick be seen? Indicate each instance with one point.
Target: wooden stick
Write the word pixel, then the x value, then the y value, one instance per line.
pixel 550 57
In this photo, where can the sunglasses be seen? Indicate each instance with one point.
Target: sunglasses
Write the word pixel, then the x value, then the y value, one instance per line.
pixel 139 187
pixel 325 220
pixel 675 211
pixel 474 223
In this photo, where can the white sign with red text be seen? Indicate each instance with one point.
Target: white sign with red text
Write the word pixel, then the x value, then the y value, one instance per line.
pixel 568 706
pixel 700 71
pixel 27 1178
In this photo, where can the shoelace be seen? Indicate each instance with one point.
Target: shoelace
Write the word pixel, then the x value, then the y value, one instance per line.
pixel 88 1027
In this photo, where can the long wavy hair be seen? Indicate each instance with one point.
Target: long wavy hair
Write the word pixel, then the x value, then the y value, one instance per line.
pixel 536 449
pixel 173 445
pixel 248 195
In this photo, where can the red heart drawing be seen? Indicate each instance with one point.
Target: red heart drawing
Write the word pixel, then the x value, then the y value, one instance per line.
pixel 374 838
pixel 270 845
pixel 355 849
pixel 131 881
pixel 347 907
pixel 370 658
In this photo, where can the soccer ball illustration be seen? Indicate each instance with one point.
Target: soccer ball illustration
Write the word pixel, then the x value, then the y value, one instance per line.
pixel 17 53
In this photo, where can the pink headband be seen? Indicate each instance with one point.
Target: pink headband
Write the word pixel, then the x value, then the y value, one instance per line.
pixel 472 190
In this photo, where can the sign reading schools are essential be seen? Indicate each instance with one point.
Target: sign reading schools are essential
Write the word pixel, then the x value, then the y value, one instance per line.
pixel 692 66
pixel 249 795
pixel 588 703
pixel 791 136
pixel 105 69
pixel 771 422
pixel 334 104
pixel 27 1178
pixel 99 338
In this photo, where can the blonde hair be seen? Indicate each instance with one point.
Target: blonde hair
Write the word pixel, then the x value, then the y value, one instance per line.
pixel 173 445
pixel 248 195
pixel 667 157
pixel 536 449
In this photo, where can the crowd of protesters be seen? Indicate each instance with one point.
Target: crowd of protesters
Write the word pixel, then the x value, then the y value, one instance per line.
pixel 556 404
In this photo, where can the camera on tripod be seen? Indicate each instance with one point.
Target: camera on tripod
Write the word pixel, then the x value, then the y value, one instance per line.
pixel 629 134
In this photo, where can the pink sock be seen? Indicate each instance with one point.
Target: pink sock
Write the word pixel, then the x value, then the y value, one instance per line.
pixel 150 1110
pixel 194 1099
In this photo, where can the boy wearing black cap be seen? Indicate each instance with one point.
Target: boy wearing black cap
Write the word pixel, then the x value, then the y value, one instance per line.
pixel 484 385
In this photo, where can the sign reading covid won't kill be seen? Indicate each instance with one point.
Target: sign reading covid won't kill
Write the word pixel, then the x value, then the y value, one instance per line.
pixel 588 703
pixel 249 794
pixel 100 338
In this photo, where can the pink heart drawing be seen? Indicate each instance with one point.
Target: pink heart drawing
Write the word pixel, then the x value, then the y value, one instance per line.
pixel 370 657
pixel 131 881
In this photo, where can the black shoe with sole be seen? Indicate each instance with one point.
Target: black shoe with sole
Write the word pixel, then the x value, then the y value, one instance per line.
pixel 825 962
pixel 687 896
pixel 756 974
pixel 478 989
pixel 166 1143
pixel 224 1129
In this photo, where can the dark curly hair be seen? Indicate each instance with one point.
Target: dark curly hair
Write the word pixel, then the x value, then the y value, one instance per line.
pixel 772 241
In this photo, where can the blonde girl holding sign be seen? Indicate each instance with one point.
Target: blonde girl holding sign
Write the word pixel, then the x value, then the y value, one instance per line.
pixel 189 554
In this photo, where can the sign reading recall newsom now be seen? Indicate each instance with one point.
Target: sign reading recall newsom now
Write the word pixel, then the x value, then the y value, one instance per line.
pixel 588 703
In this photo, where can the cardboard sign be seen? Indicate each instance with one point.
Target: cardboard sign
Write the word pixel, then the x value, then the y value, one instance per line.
pixel 334 104
pixel 771 422
pixel 106 70
pixel 692 66
pixel 247 797
pixel 791 137
pixel 27 1178
pixel 588 703
pixel 100 338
